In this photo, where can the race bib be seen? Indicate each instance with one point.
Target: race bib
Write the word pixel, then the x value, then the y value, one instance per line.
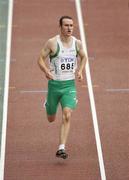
pixel 67 64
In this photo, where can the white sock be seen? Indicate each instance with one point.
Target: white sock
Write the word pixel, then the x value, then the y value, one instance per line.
pixel 61 146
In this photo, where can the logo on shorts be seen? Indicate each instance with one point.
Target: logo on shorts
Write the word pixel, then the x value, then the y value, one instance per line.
pixel 72 91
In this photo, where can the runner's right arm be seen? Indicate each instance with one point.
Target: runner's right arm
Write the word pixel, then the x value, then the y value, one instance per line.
pixel 46 50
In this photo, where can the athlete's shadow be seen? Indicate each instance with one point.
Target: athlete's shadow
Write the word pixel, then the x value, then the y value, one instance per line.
pixel 60 162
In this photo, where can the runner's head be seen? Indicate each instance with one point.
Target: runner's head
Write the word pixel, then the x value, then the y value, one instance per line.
pixel 66 25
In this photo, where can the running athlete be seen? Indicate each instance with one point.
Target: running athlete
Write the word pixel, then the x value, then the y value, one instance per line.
pixel 62 52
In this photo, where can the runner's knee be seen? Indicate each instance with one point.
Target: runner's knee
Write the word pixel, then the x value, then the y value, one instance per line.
pixel 51 118
pixel 67 115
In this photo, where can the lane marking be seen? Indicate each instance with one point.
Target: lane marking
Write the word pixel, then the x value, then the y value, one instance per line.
pixel 117 90
pixel 6 89
pixel 91 95
pixel 33 91
pixel 12 87
pixel 94 86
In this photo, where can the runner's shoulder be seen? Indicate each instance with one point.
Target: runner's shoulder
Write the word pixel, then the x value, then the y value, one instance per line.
pixel 52 45
pixel 52 41
pixel 79 44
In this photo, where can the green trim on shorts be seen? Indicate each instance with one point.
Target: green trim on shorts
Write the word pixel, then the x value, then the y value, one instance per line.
pixel 60 92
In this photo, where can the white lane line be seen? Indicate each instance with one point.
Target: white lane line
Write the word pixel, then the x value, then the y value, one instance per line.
pixel 117 90
pixel 91 95
pixel 33 91
pixel 6 88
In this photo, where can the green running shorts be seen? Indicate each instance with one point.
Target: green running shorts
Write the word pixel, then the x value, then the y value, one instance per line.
pixel 60 92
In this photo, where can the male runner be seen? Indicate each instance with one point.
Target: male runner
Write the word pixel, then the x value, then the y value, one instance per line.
pixel 62 51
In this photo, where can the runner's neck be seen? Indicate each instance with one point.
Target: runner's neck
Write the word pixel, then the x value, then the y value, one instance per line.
pixel 66 41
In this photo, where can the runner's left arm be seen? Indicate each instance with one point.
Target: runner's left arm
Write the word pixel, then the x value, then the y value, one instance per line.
pixel 82 61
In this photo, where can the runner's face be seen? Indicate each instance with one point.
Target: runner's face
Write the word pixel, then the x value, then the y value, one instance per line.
pixel 67 27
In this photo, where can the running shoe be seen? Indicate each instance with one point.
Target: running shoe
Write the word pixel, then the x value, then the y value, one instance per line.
pixel 61 154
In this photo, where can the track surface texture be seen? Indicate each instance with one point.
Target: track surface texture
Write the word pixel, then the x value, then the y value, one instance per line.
pixel 31 141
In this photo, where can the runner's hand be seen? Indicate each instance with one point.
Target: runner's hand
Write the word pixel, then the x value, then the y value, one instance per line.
pixel 79 76
pixel 49 75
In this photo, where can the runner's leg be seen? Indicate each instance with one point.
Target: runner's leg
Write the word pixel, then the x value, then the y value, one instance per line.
pixel 65 126
pixel 51 118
